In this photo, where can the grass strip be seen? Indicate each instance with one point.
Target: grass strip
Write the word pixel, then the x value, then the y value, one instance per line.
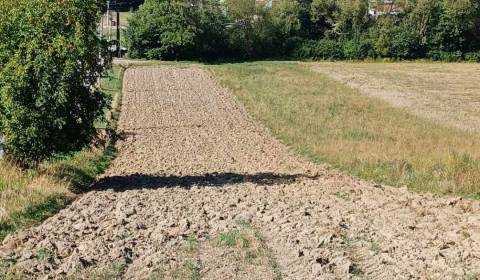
pixel 332 123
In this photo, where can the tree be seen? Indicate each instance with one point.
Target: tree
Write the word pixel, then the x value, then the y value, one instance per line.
pixel 176 29
pixel 340 17
pixel 50 61
pixel 161 29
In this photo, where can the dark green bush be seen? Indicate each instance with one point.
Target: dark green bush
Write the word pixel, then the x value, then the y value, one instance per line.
pixel 50 61
pixel 325 49
pixel 445 56
pixel 359 47
pixel 397 39
pixel 473 56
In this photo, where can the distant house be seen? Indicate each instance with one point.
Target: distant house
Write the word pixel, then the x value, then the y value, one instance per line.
pixel 385 7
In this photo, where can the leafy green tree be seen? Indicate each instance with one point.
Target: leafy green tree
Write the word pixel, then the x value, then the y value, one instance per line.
pixel 162 29
pixel 50 61
pixel 242 21
pixel 212 37
pixel 176 29
pixel 457 28
pixel 285 17
pixel 340 17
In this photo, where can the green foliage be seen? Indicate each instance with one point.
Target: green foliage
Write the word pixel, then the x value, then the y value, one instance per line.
pixel 161 30
pixel 473 56
pixel 359 47
pixel 75 172
pixel 339 17
pixel 397 39
pixel 234 238
pixel 50 61
pixel 318 29
pixel 174 29
pixel 325 49
pixel 32 214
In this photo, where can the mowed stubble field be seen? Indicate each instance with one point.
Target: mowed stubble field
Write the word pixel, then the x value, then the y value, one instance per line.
pixel 447 93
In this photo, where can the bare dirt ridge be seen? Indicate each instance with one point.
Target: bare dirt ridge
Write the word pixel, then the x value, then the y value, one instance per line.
pixel 200 191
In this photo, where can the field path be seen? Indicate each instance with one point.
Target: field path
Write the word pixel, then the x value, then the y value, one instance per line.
pixel 195 172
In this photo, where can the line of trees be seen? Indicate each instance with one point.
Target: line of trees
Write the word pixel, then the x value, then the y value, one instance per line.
pixel 50 61
pixel 320 29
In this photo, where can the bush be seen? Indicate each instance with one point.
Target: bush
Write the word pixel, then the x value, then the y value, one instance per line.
pixel 360 47
pixel 324 49
pixel 473 56
pixel 50 62
pixel 445 56
pixel 397 39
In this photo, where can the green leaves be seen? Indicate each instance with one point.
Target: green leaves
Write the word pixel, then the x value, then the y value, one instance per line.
pixel 50 61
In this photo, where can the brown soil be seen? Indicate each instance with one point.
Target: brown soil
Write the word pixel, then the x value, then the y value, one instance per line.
pixel 194 169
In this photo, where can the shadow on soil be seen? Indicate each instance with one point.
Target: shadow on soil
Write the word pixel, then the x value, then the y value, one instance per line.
pixel 142 181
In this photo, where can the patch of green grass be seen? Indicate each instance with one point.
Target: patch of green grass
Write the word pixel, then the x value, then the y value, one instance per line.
pixel 192 243
pixel 244 224
pixel 272 261
pixel 111 85
pixel 329 122
pixel 357 272
pixel 32 214
pixel 44 254
pixel 375 248
pixel 29 196
pixel 194 269
pixel 190 269
pixel 234 238
pixel 114 271
pixel 80 169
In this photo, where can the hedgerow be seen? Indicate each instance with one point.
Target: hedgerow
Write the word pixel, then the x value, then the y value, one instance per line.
pixel 319 29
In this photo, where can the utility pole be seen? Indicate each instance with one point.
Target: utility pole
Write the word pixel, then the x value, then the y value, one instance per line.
pixel 101 26
pixel 119 49
pixel 109 21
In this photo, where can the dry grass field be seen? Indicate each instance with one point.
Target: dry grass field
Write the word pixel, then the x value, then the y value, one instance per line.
pixel 448 93
pixel 408 137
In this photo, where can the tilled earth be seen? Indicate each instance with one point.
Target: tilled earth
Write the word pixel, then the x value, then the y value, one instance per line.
pixel 199 190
